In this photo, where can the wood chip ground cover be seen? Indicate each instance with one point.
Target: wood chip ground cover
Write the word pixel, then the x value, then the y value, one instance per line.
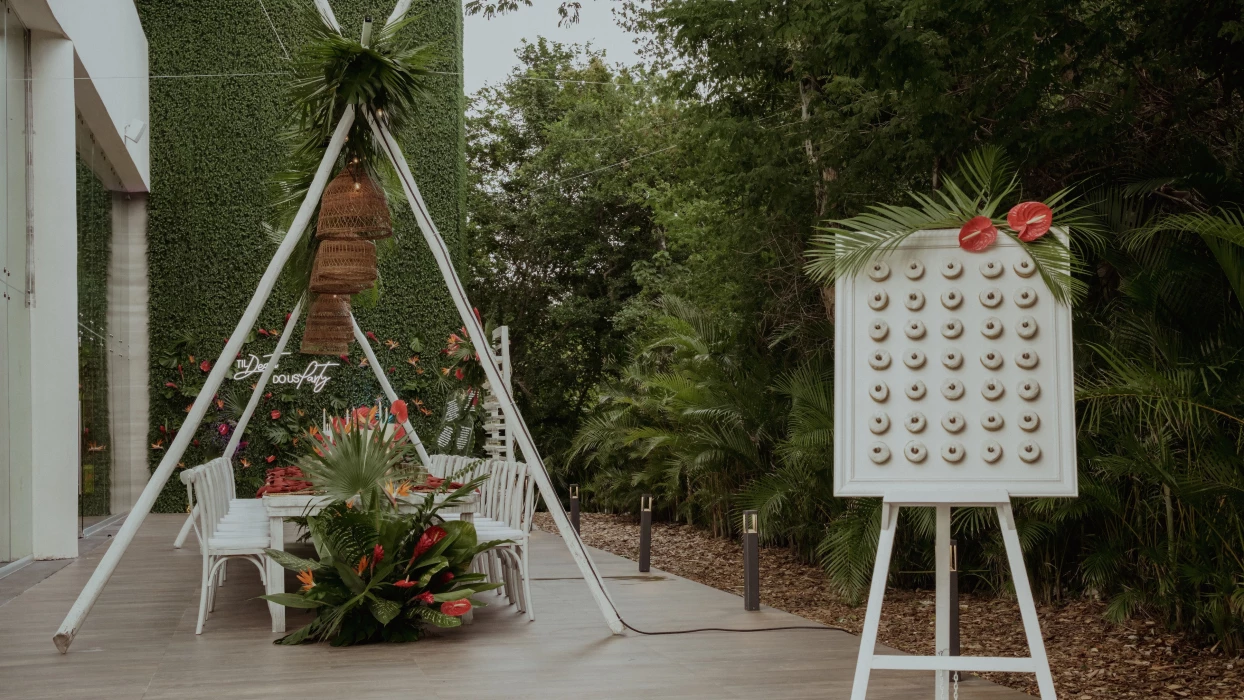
pixel 1091 658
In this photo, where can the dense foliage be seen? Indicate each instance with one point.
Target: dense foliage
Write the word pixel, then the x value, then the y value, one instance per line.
pixel 698 367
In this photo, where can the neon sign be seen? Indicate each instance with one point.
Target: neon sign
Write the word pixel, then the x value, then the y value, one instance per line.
pixel 315 374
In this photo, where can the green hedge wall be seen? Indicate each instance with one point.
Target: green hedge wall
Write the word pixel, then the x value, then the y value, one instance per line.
pixel 212 149
pixel 94 203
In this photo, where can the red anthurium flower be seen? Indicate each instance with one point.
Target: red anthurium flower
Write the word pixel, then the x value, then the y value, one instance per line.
pixel 222 429
pixel 377 554
pixel 456 608
pixel 446 576
pixel 406 583
pixel 205 366
pixel 399 411
pixel 371 336
pixel 270 459
pixel 344 358
pixel 275 415
pixel 262 331
pixel 268 395
pixel 428 539
pixel 425 598
pixel 977 234
pixel 1031 220
pixel 458 374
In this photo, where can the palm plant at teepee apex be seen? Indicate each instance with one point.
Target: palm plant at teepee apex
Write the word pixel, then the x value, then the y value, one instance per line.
pixel 385 73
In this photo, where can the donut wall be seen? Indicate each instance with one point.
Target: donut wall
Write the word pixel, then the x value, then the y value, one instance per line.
pixel 953 372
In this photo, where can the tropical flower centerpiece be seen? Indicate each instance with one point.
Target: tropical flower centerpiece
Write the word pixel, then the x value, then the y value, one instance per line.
pixel 388 564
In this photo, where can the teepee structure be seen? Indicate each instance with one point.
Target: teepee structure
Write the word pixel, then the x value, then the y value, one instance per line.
pixel 500 388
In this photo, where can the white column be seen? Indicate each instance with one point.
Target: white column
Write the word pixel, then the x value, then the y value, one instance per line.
pixel 54 315
pixel 128 399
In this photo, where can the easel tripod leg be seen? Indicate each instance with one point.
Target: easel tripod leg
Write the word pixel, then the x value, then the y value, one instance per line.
pixel 1027 608
pixel 941 682
pixel 872 616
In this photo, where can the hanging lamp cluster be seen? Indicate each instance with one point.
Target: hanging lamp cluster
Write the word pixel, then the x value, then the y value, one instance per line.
pixel 353 214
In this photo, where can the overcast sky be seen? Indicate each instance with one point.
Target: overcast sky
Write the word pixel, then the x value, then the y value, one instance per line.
pixel 489 44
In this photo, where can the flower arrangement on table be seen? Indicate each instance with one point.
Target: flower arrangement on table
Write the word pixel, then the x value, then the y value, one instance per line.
pixel 989 182
pixel 382 573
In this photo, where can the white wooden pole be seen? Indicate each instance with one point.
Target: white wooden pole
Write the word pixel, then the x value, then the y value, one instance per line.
pixel 108 564
pixel 476 331
pixel 399 11
pixel 377 370
pixel 262 384
pixel 326 11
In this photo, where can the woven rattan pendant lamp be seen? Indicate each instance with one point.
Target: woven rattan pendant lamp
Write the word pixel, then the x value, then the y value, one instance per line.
pixel 353 207
pixel 329 327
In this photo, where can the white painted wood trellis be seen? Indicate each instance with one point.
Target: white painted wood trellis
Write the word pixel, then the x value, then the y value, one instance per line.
pixel 517 431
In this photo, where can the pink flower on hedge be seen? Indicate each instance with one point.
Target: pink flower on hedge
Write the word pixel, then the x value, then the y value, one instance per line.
pixel 371 336
pixel 222 429
pixel 205 366
pixel 275 415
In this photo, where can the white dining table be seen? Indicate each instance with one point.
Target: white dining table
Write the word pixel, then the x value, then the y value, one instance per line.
pixel 280 506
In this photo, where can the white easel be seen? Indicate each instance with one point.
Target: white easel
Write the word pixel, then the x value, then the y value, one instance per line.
pixel 968 400
pixel 177 447
pixel 944 664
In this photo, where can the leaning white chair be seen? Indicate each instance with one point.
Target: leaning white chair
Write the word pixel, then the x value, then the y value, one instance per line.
pixel 228 528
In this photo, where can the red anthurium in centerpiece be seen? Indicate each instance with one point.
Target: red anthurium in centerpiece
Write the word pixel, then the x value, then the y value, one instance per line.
pixel 977 234
pixel 399 411
pixel 406 583
pixel 456 608
pixel 1031 220
pixel 427 540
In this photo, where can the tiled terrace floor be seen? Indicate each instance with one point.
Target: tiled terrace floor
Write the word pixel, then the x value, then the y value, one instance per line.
pixel 139 642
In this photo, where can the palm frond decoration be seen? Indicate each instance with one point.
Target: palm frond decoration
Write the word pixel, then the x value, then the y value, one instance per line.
pixel 990 182
pixel 387 76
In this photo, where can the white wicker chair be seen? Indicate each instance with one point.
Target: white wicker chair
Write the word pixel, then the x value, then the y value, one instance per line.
pixel 226 529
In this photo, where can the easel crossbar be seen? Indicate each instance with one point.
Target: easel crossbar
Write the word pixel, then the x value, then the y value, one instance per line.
pixel 1001 664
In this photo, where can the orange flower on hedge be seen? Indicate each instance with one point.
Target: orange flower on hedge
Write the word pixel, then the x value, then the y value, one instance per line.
pixel 307 578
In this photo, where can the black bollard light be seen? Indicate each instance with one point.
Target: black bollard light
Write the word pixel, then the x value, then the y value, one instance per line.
pixel 954 598
pixel 645 533
pixel 751 560
pixel 574 507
